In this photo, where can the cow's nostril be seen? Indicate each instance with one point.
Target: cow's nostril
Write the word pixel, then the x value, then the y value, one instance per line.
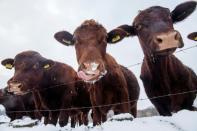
pixel 159 40
pixel 91 66
pixel 16 85
pixel 20 86
pixel 85 65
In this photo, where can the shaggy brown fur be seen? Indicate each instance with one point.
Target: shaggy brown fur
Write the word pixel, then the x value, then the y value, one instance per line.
pixel 161 72
pixel 117 85
pixel 54 85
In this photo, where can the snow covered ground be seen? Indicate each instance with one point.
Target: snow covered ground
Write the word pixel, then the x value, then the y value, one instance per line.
pixel 181 121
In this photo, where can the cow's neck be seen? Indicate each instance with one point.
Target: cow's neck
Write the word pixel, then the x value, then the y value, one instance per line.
pixel 163 66
pixel 157 64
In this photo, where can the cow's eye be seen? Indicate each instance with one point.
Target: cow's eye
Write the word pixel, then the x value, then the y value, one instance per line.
pixel 138 27
pixel 77 42
pixel 35 66
pixel 22 65
pixel 74 40
pixel 169 17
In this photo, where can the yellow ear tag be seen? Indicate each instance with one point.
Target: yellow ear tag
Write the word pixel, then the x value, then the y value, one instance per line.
pixel 46 66
pixel 67 42
pixel 8 66
pixel 195 38
pixel 128 34
pixel 116 38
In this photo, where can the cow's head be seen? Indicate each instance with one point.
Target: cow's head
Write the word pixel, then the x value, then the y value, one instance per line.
pixel 90 41
pixel 29 69
pixel 154 28
pixel 192 36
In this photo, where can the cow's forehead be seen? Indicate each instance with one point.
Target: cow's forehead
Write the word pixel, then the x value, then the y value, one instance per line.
pixel 90 33
pixel 27 57
pixel 89 27
pixel 151 13
pixel 27 54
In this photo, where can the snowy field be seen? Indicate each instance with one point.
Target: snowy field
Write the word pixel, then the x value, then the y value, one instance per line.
pixel 30 25
pixel 181 121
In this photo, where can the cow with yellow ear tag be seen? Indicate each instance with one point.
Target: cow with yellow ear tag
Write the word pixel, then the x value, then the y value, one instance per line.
pixel 162 73
pixel 192 36
pixel 96 68
pixel 54 86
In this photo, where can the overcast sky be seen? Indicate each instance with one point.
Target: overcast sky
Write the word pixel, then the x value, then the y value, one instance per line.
pixel 31 24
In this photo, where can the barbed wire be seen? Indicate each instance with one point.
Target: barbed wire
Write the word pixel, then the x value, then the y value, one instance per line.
pixel 107 105
pixel 181 50
pixel 129 66
pixel 68 83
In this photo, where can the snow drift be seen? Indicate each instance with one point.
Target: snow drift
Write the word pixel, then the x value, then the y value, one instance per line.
pixel 181 121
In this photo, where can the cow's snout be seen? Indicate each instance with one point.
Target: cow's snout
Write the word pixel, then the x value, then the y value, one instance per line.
pixel 91 71
pixel 15 87
pixel 168 40
pixel 93 66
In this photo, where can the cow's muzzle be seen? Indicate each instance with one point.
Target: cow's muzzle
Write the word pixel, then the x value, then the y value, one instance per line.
pixel 168 42
pixel 91 72
pixel 15 88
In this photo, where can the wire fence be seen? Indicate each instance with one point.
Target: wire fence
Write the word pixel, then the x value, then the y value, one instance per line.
pixel 181 50
pixel 107 105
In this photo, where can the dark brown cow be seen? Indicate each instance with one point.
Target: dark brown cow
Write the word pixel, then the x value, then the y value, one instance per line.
pixel 192 36
pixel 107 83
pixel 54 85
pixel 13 103
pixel 162 73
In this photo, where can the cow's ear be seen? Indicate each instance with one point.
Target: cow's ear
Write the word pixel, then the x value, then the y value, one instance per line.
pixel 8 63
pixel 192 36
pixel 120 33
pixel 64 37
pixel 47 64
pixel 183 10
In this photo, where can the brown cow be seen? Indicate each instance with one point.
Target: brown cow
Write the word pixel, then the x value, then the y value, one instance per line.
pixel 54 85
pixel 192 36
pixel 161 72
pixel 105 78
